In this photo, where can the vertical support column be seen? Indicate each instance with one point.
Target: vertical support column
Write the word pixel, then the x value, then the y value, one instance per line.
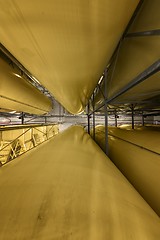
pixel 115 118
pixel 88 116
pixel 46 133
pixel 60 113
pixel 132 108
pixel 32 138
pixel 93 118
pixel 22 118
pixel 106 113
pixel 142 119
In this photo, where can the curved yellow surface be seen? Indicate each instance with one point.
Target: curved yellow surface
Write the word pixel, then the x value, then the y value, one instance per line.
pixel 68 189
pixel 145 90
pixel 17 94
pixel 134 56
pixel 140 166
pixel 143 136
pixel 148 17
pixel 65 44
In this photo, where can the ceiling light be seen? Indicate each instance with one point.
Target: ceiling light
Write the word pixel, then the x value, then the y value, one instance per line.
pixel 17 75
pixel 100 80
pixel 12 112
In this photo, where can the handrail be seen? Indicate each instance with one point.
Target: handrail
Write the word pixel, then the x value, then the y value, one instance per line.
pixel 21 147
pixel 15 139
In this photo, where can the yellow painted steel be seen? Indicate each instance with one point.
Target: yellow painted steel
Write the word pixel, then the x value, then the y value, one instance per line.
pixel 17 94
pixel 128 150
pixel 68 189
pixel 65 44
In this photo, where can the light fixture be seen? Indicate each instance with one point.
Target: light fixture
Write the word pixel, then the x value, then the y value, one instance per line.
pixel 100 80
pixel 12 112
pixel 17 75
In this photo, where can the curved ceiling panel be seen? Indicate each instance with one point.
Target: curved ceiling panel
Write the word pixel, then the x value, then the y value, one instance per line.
pixel 19 95
pixel 65 44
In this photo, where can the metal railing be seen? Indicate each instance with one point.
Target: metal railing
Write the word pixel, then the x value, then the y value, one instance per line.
pixel 29 139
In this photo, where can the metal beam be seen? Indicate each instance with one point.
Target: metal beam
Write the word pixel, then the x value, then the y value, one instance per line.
pixel 88 117
pixel 126 30
pixel 22 117
pixel 31 79
pixel 101 90
pixel 106 114
pixel 118 46
pixel 133 17
pixel 132 108
pixel 26 104
pixel 16 62
pixel 148 33
pixel 93 118
pixel 151 114
pixel 154 68
pixel 115 115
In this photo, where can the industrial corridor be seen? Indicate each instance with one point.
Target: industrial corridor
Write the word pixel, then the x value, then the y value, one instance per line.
pixel 80 120
pixel 68 189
